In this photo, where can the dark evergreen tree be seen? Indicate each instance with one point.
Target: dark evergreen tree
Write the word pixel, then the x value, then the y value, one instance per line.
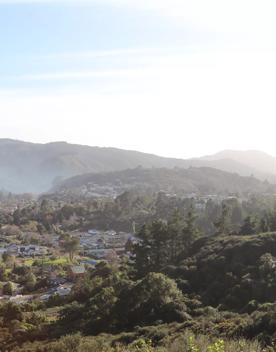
pixel 175 230
pixel 223 223
pixel 190 232
pixel 249 226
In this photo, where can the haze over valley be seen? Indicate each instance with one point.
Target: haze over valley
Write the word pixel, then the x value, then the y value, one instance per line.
pixel 36 168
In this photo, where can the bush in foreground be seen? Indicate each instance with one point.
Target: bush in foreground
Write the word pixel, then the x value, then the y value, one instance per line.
pixel 187 342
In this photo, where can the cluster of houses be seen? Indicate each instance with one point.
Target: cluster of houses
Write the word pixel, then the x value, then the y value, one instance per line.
pixel 57 286
pixel 61 290
pixel 31 250
pixel 101 244
pixel 61 286
pixel 95 190
pixel 95 245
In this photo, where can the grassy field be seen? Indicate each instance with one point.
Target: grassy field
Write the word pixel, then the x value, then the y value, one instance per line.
pixel 46 260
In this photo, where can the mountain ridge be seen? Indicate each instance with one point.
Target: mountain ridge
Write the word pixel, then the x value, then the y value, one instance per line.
pixel 256 159
pixel 37 167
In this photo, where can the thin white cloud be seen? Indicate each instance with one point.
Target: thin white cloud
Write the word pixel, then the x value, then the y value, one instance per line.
pixel 135 62
pixel 70 75
pixel 98 54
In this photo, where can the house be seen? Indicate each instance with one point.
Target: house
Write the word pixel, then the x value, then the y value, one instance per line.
pixel 76 271
pixel 54 279
pixel 97 253
pixel 32 250
pixel 63 291
pixel 12 248
pixel 93 232
pixel 45 297
pixel 20 299
pixel 110 233
pixel 90 262
pixel 53 240
pixel 2 250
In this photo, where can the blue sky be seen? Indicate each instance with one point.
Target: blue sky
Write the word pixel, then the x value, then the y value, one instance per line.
pixel 58 37
pixel 133 74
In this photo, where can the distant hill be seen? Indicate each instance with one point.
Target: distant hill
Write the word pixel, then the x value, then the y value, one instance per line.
pixel 257 163
pixel 29 167
pixel 202 181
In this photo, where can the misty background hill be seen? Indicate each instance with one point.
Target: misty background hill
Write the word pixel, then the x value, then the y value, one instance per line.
pixel 30 167
pixel 260 164
pixel 179 181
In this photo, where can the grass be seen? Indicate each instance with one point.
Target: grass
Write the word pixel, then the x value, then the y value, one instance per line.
pixel 46 260
pixel 185 343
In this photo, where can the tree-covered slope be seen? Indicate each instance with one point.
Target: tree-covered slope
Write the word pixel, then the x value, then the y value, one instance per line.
pixel 178 180
pixel 233 272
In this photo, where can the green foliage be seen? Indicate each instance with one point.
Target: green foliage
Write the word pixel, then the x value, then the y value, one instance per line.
pixel 249 226
pixel 155 298
pixel 69 343
pixel 71 245
pixel 8 289
pixel 3 273
pixel 230 271
pixel 10 312
pixel 185 343
pixel 191 345
pixel 223 223
pixel 161 242
pixel 218 346
pixel 109 301
pixel 30 282
pixel 141 345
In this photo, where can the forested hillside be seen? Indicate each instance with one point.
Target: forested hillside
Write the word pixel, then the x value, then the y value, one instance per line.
pixel 200 181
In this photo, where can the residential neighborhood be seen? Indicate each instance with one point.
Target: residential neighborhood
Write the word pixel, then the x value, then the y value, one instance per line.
pixel 50 263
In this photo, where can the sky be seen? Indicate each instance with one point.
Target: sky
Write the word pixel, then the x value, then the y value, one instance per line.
pixel 177 78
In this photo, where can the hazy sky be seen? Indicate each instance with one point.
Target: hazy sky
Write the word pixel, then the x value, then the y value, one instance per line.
pixel 173 77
